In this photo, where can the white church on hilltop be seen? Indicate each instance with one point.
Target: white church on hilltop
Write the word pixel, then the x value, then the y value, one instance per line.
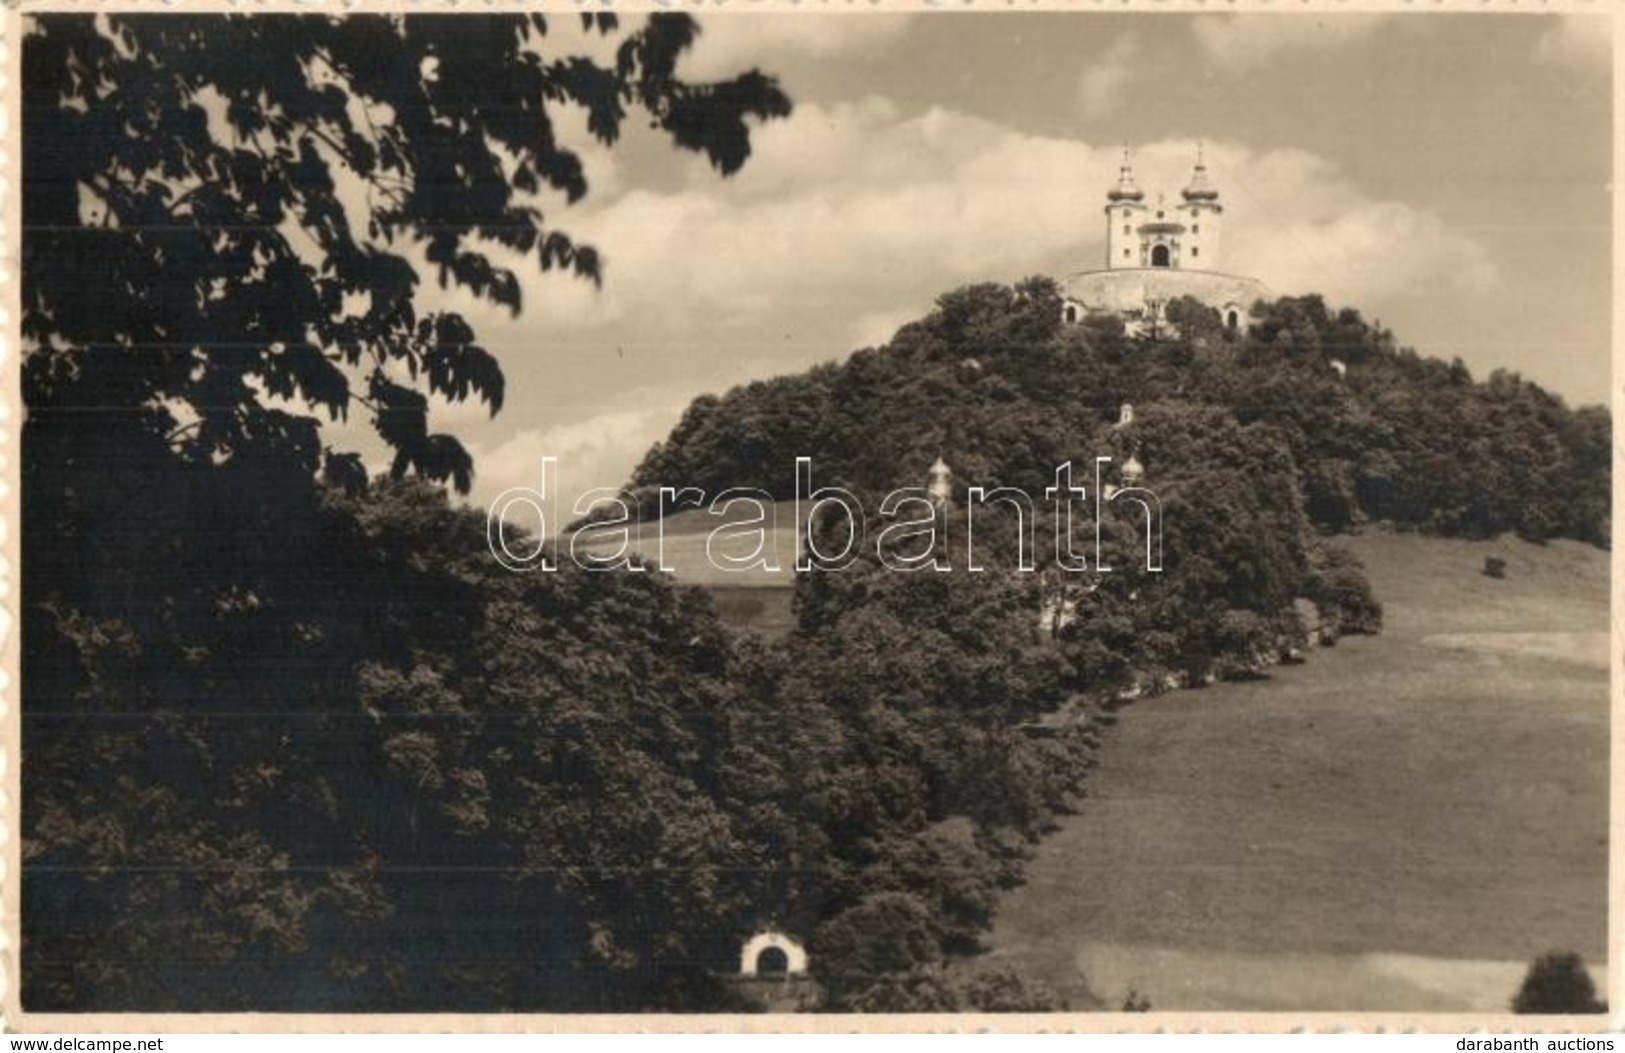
pixel 1156 253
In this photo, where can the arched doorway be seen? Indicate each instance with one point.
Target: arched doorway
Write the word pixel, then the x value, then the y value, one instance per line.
pixel 1232 320
pixel 772 962
pixel 1159 256
pixel 1070 314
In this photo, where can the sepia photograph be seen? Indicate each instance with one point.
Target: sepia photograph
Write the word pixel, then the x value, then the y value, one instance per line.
pixel 579 510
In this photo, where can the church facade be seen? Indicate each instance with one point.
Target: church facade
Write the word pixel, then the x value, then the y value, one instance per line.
pixel 1157 253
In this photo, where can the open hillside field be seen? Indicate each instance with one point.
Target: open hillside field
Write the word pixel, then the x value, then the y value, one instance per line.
pixel 1400 824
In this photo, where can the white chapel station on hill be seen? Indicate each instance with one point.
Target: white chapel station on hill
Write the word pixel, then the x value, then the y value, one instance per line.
pixel 1158 253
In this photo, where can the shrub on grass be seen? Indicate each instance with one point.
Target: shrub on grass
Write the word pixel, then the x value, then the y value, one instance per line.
pixel 1557 982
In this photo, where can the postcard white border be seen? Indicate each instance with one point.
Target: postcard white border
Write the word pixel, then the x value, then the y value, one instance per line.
pixel 14 1019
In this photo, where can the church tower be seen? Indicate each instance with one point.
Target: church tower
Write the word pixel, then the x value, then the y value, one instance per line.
pixel 1125 209
pixel 1202 210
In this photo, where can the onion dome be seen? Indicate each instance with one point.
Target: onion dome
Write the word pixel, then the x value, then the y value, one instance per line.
pixel 1200 189
pixel 1126 189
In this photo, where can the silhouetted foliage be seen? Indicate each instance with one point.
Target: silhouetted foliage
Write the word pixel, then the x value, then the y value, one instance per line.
pixel 1557 982
pixel 242 217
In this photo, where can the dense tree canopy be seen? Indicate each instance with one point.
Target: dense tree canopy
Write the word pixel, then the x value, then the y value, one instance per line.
pixel 247 221
pixel 255 776
pixel 399 777
pixel 994 383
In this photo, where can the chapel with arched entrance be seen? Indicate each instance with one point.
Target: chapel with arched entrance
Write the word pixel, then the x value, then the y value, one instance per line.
pixel 770 954
pixel 1158 251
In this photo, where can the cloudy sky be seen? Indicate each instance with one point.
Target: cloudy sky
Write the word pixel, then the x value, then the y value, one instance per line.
pixel 1448 175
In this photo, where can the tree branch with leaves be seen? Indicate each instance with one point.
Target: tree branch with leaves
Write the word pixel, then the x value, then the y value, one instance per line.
pixel 201 167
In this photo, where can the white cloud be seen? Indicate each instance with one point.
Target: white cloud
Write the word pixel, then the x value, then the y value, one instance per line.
pixel 857 211
pixel 599 451
pixel 446 415
pixel 1294 220
pixel 1239 43
pixel 1101 87
pixel 1372 251
pixel 878 327
pixel 731 43
pixel 1577 39
pixel 846 210
pixel 851 220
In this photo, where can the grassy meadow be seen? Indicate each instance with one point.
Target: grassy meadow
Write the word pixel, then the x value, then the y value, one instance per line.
pixel 1399 824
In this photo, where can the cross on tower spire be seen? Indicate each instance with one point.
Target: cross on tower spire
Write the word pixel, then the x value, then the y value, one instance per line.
pixel 1126 189
pixel 1200 189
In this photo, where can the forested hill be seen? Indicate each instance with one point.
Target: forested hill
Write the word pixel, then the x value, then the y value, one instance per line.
pixel 995 384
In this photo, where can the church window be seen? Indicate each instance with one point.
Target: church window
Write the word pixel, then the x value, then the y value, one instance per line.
pixel 1195 252
pixel 1125 254
pixel 1159 215
pixel 1196 228
pixel 1126 229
